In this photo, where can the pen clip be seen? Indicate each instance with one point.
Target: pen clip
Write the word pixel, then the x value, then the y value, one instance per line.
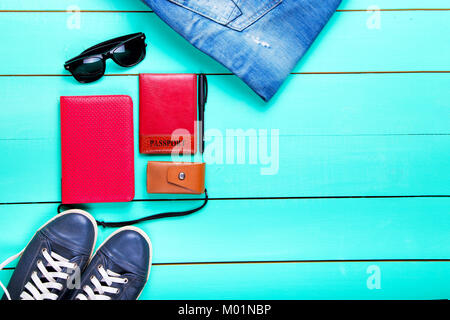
pixel 205 89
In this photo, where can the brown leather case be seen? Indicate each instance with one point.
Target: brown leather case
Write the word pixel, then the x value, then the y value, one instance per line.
pixel 175 177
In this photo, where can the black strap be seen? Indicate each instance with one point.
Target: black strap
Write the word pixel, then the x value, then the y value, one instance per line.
pixel 152 217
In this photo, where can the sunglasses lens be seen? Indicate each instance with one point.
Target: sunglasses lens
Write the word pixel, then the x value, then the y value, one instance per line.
pixel 130 53
pixel 88 69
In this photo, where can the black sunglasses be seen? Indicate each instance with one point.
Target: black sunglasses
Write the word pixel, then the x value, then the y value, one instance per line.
pixel 126 51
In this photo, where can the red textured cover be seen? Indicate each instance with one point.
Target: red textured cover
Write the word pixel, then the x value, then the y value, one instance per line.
pixel 167 102
pixel 97 149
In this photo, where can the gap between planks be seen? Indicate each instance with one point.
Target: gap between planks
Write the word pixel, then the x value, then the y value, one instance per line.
pixel 230 74
pixel 288 262
pixel 254 198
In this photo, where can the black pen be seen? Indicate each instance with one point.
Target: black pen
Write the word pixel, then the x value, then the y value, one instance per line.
pixel 202 98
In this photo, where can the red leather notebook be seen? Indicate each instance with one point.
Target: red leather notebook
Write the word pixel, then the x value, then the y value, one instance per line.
pixel 97 149
pixel 167 113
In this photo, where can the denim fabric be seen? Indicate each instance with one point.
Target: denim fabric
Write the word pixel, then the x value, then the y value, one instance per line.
pixel 258 40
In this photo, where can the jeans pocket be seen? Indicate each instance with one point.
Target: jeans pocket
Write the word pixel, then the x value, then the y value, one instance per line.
pixel 222 11
pixel 252 11
pixel 235 14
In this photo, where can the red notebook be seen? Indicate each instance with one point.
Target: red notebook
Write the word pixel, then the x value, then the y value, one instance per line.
pixel 167 113
pixel 97 149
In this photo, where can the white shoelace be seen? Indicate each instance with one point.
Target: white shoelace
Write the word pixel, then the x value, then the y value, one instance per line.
pixel 38 287
pixel 98 293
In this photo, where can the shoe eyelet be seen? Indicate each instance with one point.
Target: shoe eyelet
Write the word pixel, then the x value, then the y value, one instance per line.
pixel 75 265
pixel 44 250
pixel 126 280
pixel 117 291
pixel 99 266
pixel 92 277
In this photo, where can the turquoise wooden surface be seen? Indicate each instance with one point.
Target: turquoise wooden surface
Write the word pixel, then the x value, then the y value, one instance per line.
pixel 339 135
pixel 138 5
pixel 411 280
pixel 316 166
pixel 384 49
pixel 344 147
pixel 359 104
pixel 267 230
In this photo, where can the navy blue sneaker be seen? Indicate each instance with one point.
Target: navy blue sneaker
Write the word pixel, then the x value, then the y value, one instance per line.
pixel 53 260
pixel 119 269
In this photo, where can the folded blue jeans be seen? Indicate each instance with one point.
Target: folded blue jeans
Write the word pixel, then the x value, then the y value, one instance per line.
pixel 260 41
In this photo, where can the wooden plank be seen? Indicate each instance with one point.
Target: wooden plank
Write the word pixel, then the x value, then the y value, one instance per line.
pixel 389 4
pixel 316 166
pixel 336 105
pixel 399 280
pixel 266 230
pixel 307 104
pixel 300 281
pixel 389 48
pixel 139 5
pixel 333 146
pixel 72 4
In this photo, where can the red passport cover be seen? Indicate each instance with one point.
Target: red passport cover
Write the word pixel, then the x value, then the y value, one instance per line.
pixel 97 149
pixel 167 105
